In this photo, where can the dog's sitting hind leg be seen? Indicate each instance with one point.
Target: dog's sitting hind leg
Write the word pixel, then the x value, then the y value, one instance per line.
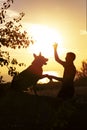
pixel 32 89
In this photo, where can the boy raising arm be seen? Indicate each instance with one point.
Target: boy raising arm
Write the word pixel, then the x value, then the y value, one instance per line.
pixel 67 89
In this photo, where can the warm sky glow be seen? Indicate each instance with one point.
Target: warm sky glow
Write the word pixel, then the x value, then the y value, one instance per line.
pixel 62 21
pixel 67 17
pixel 44 38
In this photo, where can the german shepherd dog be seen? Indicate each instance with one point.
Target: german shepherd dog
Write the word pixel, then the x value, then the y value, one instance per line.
pixel 30 76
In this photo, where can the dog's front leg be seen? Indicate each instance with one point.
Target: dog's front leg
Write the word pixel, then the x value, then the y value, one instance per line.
pixel 44 76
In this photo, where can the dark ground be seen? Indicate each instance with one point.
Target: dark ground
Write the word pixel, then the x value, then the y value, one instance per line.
pixel 22 111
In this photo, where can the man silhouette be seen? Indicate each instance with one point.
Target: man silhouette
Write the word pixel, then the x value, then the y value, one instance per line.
pixel 67 88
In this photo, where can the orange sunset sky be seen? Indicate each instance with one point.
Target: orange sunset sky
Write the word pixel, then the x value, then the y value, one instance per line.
pixel 61 21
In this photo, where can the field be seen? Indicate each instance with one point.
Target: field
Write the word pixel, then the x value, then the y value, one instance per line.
pixel 23 111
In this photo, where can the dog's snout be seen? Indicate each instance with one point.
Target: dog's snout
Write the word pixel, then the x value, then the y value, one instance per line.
pixel 46 59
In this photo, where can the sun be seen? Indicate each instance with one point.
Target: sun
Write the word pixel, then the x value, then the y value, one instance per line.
pixel 44 38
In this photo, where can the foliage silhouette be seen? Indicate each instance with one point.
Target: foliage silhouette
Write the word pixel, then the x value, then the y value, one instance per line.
pixel 12 36
pixel 4 7
pixel 83 70
pixel 81 75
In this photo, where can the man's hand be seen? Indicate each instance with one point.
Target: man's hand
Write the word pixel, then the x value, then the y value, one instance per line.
pixel 55 45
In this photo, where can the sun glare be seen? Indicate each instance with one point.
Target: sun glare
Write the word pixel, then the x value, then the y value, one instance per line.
pixel 44 38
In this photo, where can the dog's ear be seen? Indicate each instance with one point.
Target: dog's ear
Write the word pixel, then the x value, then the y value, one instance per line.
pixel 34 55
pixel 40 54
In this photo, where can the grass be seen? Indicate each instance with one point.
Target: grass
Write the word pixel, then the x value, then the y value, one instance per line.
pixel 46 111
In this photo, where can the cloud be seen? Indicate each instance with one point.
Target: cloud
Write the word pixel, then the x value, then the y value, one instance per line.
pixel 2 0
pixel 11 13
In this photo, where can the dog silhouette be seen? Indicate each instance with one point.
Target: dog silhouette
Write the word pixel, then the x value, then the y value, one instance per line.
pixel 29 77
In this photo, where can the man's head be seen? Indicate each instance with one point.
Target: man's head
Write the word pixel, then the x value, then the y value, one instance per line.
pixel 70 56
